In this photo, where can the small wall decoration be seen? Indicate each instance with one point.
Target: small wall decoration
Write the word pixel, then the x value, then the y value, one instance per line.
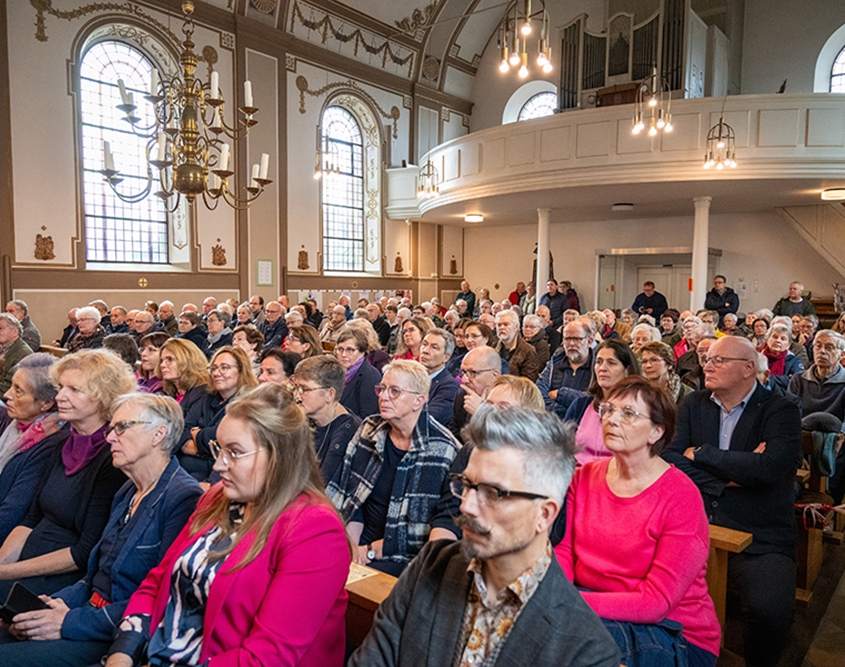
pixel 142 282
pixel 302 264
pixel 218 255
pixel 44 247
pixel 397 265
pixel 453 266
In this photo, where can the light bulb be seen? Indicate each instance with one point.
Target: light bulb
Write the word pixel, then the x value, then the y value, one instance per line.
pixel 318 174
pixel 547 67
pixel 526 27
pixel 523 72
pixel 719 165
pixel 638 127
pixel 514 59
pixel 652 131
pixel 504 67
pixel 541 59
pixel 668 127
pixel 721 144
pixel 653 101
pixel 661 123
pixel 733 163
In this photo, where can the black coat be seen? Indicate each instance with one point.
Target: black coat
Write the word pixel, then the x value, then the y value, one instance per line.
pixel 359 395
pixel 762 503
pixel 441 397
pixel 197 336
pixel 722 303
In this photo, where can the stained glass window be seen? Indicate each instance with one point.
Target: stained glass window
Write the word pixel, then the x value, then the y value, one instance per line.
pixel 343 191
pixel 114 230
pixel 541 104
pixel 837 74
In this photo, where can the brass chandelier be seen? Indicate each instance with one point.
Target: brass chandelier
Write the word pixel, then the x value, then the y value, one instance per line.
pixel 185 142
pixel 513 33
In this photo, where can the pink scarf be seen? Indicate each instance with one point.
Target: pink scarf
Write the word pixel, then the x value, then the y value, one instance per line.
pixel 38 430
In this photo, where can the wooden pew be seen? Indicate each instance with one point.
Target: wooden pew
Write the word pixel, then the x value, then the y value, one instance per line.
pixel 723 541
pixel 57 352
pixel 367 588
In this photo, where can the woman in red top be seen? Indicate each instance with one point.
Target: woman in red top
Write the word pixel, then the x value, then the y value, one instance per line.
pixel 258 575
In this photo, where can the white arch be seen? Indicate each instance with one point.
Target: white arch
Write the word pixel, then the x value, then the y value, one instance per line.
pixel 824 63
pixel 523 94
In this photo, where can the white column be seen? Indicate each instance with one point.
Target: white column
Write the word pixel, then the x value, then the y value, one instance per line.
pixel 700 245
pixel 543 215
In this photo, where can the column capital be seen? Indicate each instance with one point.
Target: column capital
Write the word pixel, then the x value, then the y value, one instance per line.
pixel 702 202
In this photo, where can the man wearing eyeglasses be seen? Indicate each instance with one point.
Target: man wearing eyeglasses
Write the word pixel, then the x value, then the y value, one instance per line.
pixel 435 351
pixel 393 471
pixel 274 327
pixel 480 367
pixel 497 596
pixel 741 445
pixel 569 371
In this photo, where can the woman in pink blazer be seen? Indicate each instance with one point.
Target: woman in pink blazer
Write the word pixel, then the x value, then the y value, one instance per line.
pixel 258 575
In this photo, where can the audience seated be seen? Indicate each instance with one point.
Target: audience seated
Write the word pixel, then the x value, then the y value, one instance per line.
pixel 304 341
pixel 277 366
pixel 69 331
pixel 191 329
pixel 148 378
pixel 229 373
pixel 274 328
pixel 694 379
pixel 377 357
pixel 219 332
pixel 570 370
pixel 268 554
pixel 614 361
pixel 335 326
pixel 184 372
pixel 670 330
pixel 31 433
pixel 248 338
pixel 794 303
pixel 741 445
pixel 49 548
pixel 657 362
pixel 148 513
pixel 686 344
pixel 413 331
pixel 689 360
pixel 125 347
pixel 435 351
pixel 359 394
pixel 642 334
pixel 536 336
pixel 441 611
pixel 392 473
pixel 13 349
pixel 317 386
pixel 783 364
pixel 650 587
pixel 30 334
pixel 479 369
pixel 512 347
pixel 89 332
pixel 167 317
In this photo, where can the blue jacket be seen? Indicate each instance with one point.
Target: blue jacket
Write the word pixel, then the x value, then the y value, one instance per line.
pixel 558 374
pixel 274 334
pixel 158 520
pixel 441 397
pixel 196 336
pixel 792 366
pixel 359 395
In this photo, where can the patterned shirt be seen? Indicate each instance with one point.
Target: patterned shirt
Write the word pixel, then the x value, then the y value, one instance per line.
pixel 486 625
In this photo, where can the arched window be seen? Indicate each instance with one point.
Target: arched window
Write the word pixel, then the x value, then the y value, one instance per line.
pixel 539 105
pixel 114 230
pixel 343 191
pixel 837 74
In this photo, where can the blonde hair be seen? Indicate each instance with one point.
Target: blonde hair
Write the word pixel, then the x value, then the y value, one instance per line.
pixel 105 376
pixel 277 424
pixel 416 373
pixel 191 363
pixel 246 376
pixel 366 327
pixel 524 391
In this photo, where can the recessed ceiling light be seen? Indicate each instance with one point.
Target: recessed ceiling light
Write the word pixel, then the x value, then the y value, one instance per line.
pixel 473 217
pixel 833 194
pixel 622 207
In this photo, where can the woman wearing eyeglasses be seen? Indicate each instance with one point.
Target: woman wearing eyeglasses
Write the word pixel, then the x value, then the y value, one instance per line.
pixel 658 363
pixel 413 332
pixel 148 513
pixel 637 538
pixel 258 575
pixel 229 372
pixel 49 549
pixel 614 361
pixel 359 390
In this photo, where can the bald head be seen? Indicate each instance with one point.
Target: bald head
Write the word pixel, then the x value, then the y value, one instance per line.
pixel 730 371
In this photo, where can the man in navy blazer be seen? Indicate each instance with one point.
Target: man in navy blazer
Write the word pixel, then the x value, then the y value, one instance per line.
pixel 435 351
pixel 741 445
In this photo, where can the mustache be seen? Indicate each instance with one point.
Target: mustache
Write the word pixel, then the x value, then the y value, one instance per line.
pixel 463 521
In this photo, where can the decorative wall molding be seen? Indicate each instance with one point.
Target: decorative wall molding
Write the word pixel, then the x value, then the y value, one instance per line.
pixel 418 19
pixel 302 86
pixel 316 26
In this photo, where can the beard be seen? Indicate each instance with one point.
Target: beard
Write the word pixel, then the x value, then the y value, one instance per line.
pixel 489 547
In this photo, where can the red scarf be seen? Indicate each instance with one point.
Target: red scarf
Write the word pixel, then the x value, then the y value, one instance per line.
pixel 777 361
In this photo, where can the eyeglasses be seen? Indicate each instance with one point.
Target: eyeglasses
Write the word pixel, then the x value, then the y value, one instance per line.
pixel 626 413
pixel 223 368
pixel 827 348
pixel 573 339
pixel 119 428
pixel 474 336
pixel 392 391
pixel 718 362
pixel 226 455
pixel 87 319
pixel 488 494
pixel 299 389
pixel 651 360
pixel 346 350
pixel 472 374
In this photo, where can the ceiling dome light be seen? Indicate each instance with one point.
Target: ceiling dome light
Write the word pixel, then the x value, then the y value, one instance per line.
pixel 833 194
pixel 473 217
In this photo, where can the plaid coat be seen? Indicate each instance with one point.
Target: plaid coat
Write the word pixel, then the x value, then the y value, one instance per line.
pixel 416 488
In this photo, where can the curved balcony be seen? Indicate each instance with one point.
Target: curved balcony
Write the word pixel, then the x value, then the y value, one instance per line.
pixel 788 149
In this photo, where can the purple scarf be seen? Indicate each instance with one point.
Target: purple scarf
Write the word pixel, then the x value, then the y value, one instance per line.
pixel 80 450
pixel 353 369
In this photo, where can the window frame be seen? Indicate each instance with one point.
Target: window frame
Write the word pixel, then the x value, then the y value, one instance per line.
pixel 531 99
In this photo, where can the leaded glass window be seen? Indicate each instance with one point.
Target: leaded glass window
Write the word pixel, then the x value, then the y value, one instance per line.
pixel 537 106
pixel 114 230
pixel 343 191
pixel 837 74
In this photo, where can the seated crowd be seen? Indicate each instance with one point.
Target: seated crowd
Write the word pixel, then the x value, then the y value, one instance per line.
pixel 190 486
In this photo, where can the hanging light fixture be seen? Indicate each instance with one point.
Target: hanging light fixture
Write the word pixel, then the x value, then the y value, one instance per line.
pixel 327 158
pixel 513 32
pixel 428 181
pixel 719 150
pixel 184 142
pixel 655 99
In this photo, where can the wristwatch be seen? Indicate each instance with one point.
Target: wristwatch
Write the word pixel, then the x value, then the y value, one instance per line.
pixel 371 553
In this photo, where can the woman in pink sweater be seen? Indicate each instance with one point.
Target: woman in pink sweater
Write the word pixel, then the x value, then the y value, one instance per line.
pixel 637 539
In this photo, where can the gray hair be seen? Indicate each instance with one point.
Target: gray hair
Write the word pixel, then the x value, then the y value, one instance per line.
pixel 653 332
pixel 782 329
pixel 89 312
pixel 37 369
pixel 834 336
pixel 21 305
pixel 733 317
pixel 13 321
pixel 157 410
pixel 547 445
pixel 448 339
pixel 224 316
pixel 361 314
pixel 647 319
pixel 404 313
pixel 532 321
pixel 416 373
pixel 507 314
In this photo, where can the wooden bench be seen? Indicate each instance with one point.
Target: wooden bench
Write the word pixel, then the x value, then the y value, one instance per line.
pixel 367 588
pixel 57 352
pixel 723 541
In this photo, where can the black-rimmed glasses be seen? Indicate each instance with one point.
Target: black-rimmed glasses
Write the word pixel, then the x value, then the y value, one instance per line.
pixel 488 494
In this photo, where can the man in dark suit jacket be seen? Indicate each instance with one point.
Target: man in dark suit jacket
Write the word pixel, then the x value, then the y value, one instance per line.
pixel 741 445
pixel 434 614
pixel 435 351
pixel 274 328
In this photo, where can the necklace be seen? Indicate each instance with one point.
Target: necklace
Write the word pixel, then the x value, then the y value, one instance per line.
pixel 136 499
pixel 321 450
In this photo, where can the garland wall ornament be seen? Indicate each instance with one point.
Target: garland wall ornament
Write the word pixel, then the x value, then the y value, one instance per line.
pixel 418 19
pixel 45 7
pixel 317 26
pixel 302 86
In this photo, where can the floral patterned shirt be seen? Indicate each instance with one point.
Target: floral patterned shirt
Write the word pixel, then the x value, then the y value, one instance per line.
pixel 487 625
